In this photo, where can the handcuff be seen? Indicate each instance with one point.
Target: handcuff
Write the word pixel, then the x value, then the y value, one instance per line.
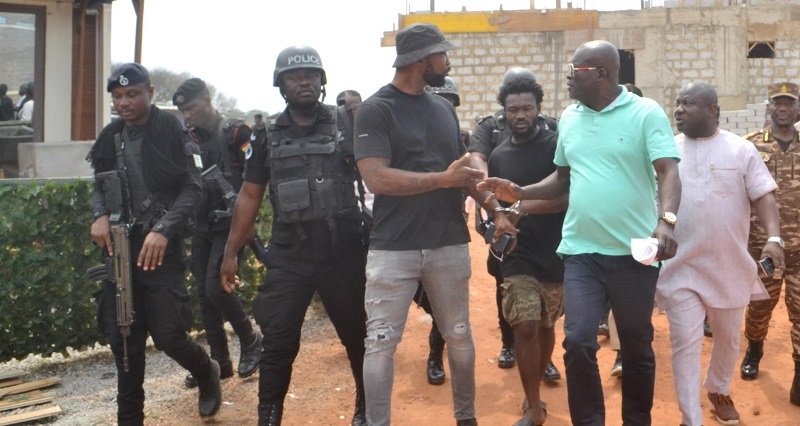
pixel 514 209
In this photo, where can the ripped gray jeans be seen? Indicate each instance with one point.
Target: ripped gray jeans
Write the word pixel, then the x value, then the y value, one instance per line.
pixel 392 279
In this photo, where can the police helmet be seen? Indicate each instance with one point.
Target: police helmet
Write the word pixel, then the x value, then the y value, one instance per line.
pixel 297 57
pixel 515 73
pixel 448 89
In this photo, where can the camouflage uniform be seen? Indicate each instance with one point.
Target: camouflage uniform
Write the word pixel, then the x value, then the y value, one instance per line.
pixel 785 168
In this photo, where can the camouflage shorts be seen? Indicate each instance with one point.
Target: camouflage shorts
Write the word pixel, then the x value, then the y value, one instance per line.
pixel 527 299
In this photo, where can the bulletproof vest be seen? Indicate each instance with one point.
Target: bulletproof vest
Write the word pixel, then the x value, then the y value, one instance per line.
pixel 310 179
pixel 502 131
pixel 226 154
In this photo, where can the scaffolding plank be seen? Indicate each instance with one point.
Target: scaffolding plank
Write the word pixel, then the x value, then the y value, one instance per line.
pixel 25 400
pixel 31 415
pixel 29 386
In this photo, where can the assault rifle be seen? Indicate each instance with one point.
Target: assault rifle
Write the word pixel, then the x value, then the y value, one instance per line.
pixel 213 178
pixel 117 268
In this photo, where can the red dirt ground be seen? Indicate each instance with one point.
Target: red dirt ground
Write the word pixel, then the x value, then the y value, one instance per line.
pixel 322 389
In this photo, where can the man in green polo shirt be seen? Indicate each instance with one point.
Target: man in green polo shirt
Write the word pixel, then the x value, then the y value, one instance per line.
pixel 614 150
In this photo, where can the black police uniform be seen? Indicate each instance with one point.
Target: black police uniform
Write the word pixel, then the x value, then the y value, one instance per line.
pixel 221 145
pixel 308 252
pixel 160 298
pixel 490 132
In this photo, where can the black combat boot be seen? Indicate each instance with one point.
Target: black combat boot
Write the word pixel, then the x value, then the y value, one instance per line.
pixel 210 394
pixel 749 369
pixel 225 371
pixel 270 413
pixel 250 355
pixel 435 368
pixel 794 394
pixel 360 414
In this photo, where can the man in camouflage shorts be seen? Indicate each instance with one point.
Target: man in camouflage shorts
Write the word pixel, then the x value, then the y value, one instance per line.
pixel 533 273
pixel 779 146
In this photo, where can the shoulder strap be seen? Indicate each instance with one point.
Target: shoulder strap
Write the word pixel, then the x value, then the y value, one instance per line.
pixel 119 149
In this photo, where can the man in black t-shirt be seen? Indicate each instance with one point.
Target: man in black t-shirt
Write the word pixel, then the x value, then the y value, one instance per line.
pixel 533 273
pixel 408 152
pixel 489 133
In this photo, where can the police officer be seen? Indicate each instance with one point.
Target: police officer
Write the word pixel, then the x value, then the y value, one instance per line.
pixel 316 242
pixel 258 122
pixel 492 130
pixel 221 143
pixel 160 189
pixel 779 146
pixel 449 91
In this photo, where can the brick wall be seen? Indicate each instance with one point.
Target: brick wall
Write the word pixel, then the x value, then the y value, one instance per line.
pixel 744 121
pixel 672 47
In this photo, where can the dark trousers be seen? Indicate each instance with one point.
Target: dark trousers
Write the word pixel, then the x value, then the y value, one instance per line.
pixel 217 305
pixel 280 308
pixel 162 308
pixel 506 333
pixel 590 282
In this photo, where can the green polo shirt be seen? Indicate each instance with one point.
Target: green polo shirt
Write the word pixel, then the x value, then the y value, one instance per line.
pixel 610 153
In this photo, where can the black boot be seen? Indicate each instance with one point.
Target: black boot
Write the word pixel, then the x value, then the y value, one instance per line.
pixel 250 355
pixel 435 367
pixel 360 414
pixel 749 368
pixel 507 358
pixel 794 394
pixel 225 371
pixel 210 394
pixel 270 413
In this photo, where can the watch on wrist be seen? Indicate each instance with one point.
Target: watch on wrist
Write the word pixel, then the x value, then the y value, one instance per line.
pixel 776 240
pixel 669 217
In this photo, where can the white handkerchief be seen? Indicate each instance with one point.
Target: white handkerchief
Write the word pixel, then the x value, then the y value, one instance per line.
pixel 644 250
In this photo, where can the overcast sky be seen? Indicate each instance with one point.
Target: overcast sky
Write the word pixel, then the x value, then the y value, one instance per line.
pixel 233 44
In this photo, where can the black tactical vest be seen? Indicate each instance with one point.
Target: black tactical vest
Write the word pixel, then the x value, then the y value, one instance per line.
pixel 310 179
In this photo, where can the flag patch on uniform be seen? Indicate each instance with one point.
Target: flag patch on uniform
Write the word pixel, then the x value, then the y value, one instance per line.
pixel 248 150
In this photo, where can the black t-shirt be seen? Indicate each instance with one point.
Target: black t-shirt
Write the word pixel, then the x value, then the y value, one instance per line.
pixel 421 134
pixel 304 241
pixel 539 234
pixel 494 129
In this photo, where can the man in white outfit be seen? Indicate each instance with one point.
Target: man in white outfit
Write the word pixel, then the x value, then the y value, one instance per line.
pixel 712 273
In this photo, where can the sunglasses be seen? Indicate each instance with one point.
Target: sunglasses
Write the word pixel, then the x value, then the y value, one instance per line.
pixel 571 68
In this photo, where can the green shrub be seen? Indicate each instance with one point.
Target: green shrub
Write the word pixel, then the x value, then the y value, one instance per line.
pixel 46 302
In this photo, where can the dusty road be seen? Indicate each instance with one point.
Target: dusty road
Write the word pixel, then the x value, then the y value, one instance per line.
pixel 322 389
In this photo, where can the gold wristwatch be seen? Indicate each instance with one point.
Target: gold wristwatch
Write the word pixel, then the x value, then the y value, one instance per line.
pixel 670 218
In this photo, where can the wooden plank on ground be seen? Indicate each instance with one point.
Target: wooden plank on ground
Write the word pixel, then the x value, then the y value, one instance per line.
pixel 24 400
pixel 29 386
pixel 31 415
pixel 10 374
pixel 9 382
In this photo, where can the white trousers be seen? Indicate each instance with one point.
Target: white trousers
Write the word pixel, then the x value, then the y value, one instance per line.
pixel 686 335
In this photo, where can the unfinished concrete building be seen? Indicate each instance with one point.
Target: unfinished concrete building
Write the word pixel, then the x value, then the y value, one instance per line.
pixel 738 46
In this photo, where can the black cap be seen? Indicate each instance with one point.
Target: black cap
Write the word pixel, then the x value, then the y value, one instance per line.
pixel 126 75
pixel 417 42
pixel 189 90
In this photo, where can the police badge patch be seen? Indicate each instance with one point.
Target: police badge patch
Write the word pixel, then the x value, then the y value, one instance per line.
pixel 123 81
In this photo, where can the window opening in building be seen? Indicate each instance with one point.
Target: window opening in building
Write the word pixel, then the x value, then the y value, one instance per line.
pixel 627 67
pixel 761 49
